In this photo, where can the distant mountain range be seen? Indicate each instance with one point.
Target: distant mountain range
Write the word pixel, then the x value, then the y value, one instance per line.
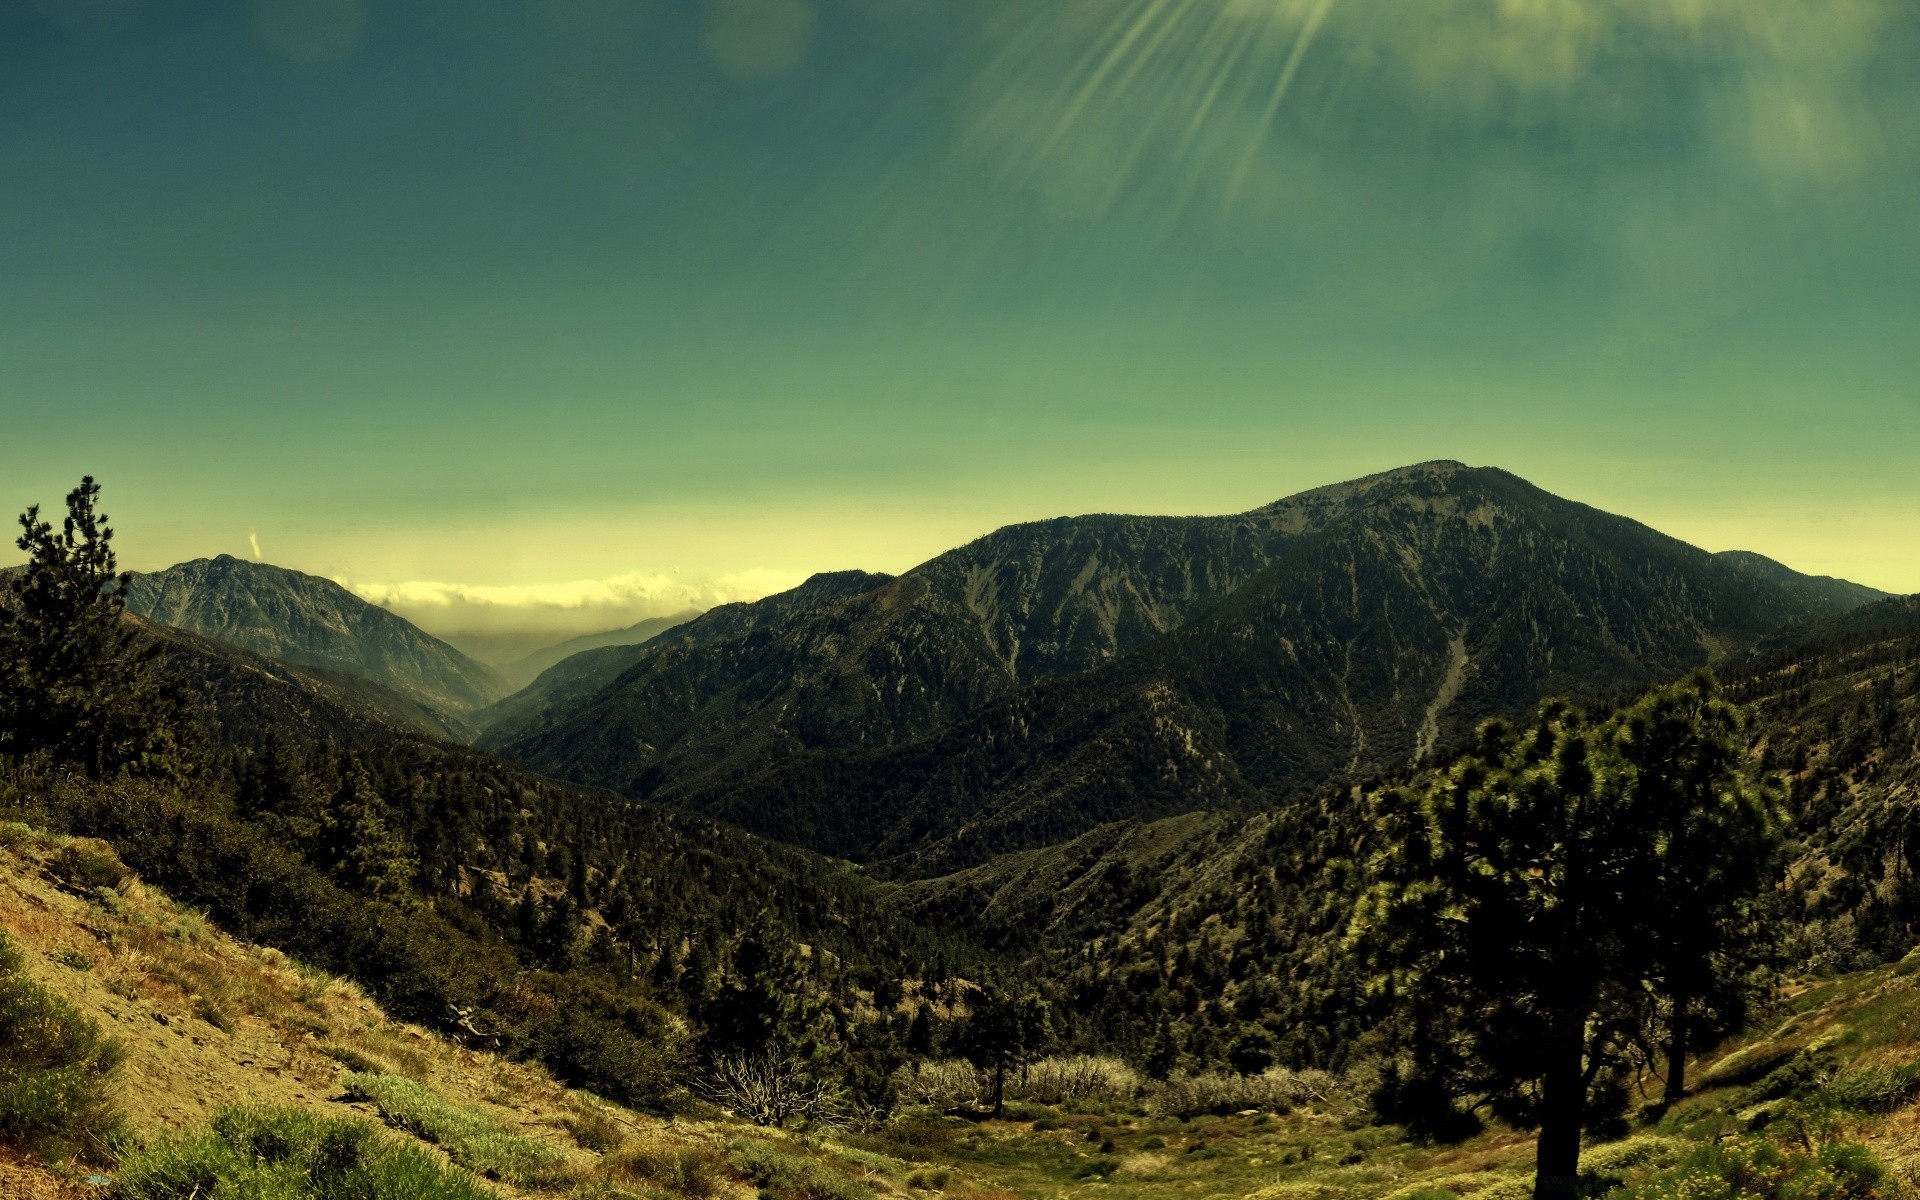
pixel 309 621
pixel 1055 676
pixel 524 670
pixel 561 689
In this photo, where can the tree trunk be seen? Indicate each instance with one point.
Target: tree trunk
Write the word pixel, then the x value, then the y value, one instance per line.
pixel 1677 1047
pixel 1563 1102
pixel 999 1085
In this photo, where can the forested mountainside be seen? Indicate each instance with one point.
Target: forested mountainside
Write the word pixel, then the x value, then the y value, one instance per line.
pixel 561 689
pixel 611 939
pixel 1054 677
pixel 315 622
pixel 1208 937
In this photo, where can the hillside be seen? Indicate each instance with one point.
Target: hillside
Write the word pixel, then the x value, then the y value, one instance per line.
pixel 561 691
pixel 309 621
pixel 1249 911
pixel 223 1041
pixel 1054 677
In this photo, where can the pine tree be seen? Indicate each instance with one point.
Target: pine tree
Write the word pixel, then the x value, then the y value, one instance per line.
pixel 74 685
pixel 358 844
pixel 1531 897
pixel 1007 1027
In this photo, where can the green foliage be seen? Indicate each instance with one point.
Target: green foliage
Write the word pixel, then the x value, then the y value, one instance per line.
pixel 75 688
pixel 1754 1168
pixel 472 1139
pixel 790 1176
pixel 290 1154
pixel 1532 896
pixel 1007 1027
pixel 55 1070
pixel 692 1170
pixel 1876 1089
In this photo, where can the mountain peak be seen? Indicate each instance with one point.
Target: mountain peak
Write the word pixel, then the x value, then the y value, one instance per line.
pixel 311 621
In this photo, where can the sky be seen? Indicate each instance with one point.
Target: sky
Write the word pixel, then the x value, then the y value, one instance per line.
pixel 563 313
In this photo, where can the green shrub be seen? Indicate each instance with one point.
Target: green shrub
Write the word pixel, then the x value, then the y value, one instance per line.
pixel 472 1139
pixel 788 1175
pixel 692 1170
pixel 1755 1168
pixel 1096 1168
pixel 86 864
pixel 1799 1075
pixel 593 1130
pixel 1875 1089
pixel 930 1181
pixel 290 1154
pixel 55 1070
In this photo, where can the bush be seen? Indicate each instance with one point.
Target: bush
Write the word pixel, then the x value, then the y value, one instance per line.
pixel 1275 1090
pixel 55 1070
pixel 86 865
pixel 941 1084
pixel 1754 1168
pixel 290 1154
pixel 1078 1077
pixel 472 1139
pixel 594 1130
pixel 692 1170
pixel 790 1176
pixel 1875 1089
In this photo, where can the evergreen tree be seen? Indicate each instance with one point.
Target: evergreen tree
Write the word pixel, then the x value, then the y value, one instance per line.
pixel 1717 842
pixel 1528 900
pixel 1006 1028
pixel 358 844
pixel 74 685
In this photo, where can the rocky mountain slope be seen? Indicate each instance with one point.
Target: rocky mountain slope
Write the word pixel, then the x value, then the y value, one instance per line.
pixel 1250 909
pixel 1055 676
pixel 314 622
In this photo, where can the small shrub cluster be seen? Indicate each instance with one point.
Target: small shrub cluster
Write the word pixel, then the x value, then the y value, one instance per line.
pixel 1876 1089
pixel 472 1139
pixel 1274 1090
pixel 692 1170
pixel 1075 1077
pixel 788 1176
pixel 1755 1168
pixel 1606 1166
pixel 943 1083
pixel 290 1154
pixel 55 1070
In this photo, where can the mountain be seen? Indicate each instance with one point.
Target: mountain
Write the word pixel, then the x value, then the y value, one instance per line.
pixel 310 621
pixel 1817 593
pixel 1251 909
pixel 524 670
pixel 1053 677
pixel 562 688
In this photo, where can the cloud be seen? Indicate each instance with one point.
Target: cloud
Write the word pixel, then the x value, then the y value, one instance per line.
pixel 253 539
pixel 1095 100
pixel 580 604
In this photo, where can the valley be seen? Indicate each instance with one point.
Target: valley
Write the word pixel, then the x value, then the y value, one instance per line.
pixel 1088 807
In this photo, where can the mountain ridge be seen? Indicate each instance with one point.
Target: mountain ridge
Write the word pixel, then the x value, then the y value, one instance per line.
pixel 1055 675
pixel 310 621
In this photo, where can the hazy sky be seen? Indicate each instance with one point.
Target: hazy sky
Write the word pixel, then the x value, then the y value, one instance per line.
pixel 635 303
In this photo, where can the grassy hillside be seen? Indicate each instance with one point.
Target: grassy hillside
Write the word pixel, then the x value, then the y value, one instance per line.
pixel 241 1072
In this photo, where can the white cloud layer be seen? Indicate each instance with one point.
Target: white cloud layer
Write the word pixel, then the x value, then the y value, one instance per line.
pixel 581 605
